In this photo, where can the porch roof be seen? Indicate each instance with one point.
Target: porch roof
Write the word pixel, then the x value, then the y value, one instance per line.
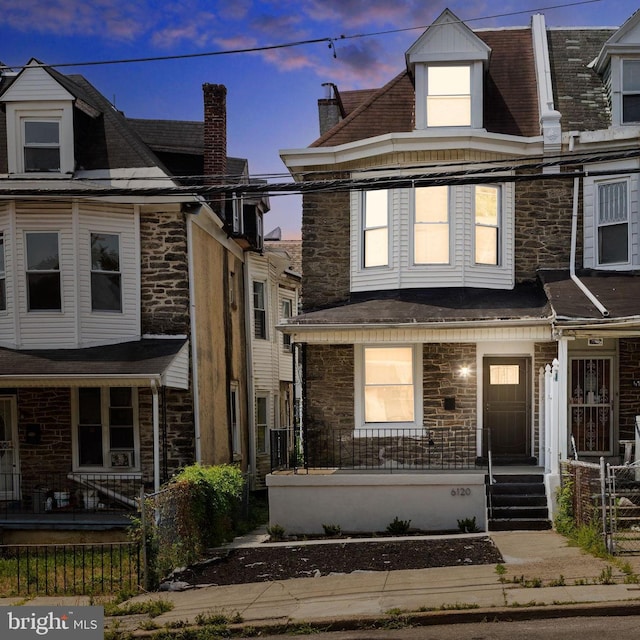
pixel 618 292
pixel 138 363
pixel 409 307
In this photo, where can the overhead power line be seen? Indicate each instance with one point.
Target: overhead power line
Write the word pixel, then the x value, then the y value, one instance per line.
pixel 329 40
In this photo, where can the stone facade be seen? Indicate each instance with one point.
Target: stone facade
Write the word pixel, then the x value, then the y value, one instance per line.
pixel 543 226
pixel 325 249
pixel 164 269
pixel 629 357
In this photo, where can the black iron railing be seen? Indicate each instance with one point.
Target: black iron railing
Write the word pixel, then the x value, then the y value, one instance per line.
pixel 382 449
pixel 75 494
pixel 70 569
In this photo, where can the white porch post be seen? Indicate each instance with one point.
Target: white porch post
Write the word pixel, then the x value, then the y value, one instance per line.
pixel 542 423
pixel 555 446
pixel 563 385
pixel 156 435
pixel 548 394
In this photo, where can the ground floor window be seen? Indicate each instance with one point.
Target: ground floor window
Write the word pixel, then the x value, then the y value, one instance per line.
pixel 262 423
pixel 106 428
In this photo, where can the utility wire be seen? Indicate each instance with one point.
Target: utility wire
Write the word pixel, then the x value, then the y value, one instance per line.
pixel 329 40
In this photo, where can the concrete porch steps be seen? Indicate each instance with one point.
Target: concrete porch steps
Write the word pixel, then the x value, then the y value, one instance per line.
pixel 518 502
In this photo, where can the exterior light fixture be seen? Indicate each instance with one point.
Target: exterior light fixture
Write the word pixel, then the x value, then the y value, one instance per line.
pixel 465 371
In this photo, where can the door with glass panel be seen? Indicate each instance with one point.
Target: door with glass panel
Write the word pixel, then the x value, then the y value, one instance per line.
pixel 9 469
pixel 507 406
pixel 591 405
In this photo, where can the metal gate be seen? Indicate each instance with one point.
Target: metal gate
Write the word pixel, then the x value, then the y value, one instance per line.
pixel 622 512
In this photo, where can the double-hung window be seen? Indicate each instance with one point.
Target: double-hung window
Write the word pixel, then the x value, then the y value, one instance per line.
pixel 106 427
pixel 376 228
pixel 259 310
pixel 43 272
pixel 431 225
pixel 106 278
pixel 3 286
pixel 41 145
pixel 262 423
pixel 612 218
pixel 487 225
pixel 286 313
pixel 630 91
pixel 389 385
pixel 449 96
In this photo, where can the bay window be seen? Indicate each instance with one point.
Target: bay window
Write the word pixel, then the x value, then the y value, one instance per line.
pixel 43 272
pixel 431 225
pixel 106 278
pixel 376 228
pixel 259 310
pixel 487 225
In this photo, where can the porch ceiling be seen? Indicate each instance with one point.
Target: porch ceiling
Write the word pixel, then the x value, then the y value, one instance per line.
pixel 135 364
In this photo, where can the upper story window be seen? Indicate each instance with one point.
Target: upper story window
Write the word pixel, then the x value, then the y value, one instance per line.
pixel 630 91
pixel 487 225
pixel 43 272
pixel 376 228
pixel 3 286
pixel 449 96
pixel 106 277
pixel 286 313
pixel 259 310
pixel 41 140
pixel 612 219
pixel 431 225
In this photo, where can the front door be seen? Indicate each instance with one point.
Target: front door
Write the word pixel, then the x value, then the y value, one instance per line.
pixel 506 413
pixel 9 479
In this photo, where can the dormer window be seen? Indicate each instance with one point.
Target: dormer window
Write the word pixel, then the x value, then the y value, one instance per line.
pixel 41 145
pixel 449 96
pixel 630 91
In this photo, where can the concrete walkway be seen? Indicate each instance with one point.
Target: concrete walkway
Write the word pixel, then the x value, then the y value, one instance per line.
pixel 533 560
pixel 542 573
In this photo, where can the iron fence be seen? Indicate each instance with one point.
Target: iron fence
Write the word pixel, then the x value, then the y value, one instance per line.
pixel 383 449
pixel 70 569
pixel 623 507
pixel 74 494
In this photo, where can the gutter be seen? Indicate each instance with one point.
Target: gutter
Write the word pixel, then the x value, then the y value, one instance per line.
pixel 572 261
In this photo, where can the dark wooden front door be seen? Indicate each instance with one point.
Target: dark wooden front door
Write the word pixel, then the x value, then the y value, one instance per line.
pixel 506 383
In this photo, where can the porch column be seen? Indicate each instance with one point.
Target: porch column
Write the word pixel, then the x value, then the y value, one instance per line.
pixel 548 394
pixel 554 449
pixel 155 405
pixel 563 377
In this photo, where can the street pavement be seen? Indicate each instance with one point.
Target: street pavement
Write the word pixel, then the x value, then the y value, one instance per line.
pixel 543 576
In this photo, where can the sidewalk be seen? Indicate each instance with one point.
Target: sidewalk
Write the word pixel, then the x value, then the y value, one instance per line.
pixel 465 592
pixel 427 596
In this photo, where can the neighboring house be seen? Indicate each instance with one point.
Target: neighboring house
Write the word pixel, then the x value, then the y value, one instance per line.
pixel 273 288
pixel 122 324
pixel 470 282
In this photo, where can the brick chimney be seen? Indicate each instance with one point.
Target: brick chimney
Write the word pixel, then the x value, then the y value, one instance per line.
pixel 215 132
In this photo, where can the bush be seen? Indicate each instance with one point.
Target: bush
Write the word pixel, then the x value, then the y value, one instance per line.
pixel 399 527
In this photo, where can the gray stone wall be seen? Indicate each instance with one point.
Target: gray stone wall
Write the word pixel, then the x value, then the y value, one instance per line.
pixel 164 286
pixel 543 227
pixel 325 249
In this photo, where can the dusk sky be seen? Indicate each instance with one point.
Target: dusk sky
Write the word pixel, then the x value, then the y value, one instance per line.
pixel 272 94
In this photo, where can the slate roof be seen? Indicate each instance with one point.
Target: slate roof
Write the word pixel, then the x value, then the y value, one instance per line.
pixel 147 357
pixel 578 92
pixel 618 292
pixel 412 306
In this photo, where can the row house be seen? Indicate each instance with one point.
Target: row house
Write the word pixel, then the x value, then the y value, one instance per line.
pixel 122 302
pixel 470 289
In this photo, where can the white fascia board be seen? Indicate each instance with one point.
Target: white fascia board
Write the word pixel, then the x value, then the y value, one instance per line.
pixel 420 140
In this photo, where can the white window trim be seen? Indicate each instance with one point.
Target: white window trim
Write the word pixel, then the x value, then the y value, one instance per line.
pixel 106 467
pixel 499 227
pixel 265 310
pixel 623 93
pixel 28 271
pixel 364 229
pixel 98 271
pixel 286 339
pixel 236 433
pixel 266 396
pixel 450 224
pixel 476 89
pixel 359 424
pixel 17 113
pixel 596 224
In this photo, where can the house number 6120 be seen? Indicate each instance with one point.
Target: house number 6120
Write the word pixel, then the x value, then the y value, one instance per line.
pixel 461 491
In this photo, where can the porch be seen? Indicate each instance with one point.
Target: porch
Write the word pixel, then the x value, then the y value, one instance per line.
pixel 68 501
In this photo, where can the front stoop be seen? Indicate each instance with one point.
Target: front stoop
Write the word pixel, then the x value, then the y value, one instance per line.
pixel 517 503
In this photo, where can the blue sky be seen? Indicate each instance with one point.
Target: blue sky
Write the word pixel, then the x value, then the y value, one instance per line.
pixel 271 95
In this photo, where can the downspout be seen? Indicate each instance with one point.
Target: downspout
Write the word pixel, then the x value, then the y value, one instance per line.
pixel 155 412
pixel 251 411
pixel 572 263
pixel 194 354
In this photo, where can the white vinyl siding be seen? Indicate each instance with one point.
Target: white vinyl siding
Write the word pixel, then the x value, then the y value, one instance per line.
pixel 594 218
pixel 461 269
pixel 75 324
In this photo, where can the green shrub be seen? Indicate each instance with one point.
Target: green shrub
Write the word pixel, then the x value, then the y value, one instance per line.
pixel 468 525
pixel 398 527
pixel 332 530
pixel 276 532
